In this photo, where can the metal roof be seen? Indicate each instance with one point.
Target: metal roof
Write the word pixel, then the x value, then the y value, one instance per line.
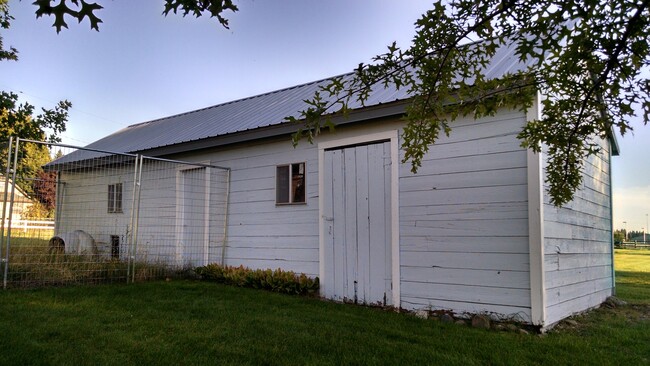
pixel 257 112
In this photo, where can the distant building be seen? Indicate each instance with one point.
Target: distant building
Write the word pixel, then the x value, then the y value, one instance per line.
pixel 639 238
pixel 22 201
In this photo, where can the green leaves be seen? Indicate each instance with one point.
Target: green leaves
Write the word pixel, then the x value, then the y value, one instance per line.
pixel 5 22
pixel 214 8
pixel 81 10
pixel 19 120
pixel 273 280
pixel 589 59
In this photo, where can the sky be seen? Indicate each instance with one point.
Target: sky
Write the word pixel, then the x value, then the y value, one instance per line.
pixel 142 66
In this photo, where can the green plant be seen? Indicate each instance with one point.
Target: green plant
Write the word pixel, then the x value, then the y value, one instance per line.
pixel 277 280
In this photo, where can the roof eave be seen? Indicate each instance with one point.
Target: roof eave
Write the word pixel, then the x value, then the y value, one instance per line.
pixel 380 111
pixel 614 143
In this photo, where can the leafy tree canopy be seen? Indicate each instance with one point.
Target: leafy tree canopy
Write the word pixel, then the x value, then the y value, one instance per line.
pixel 20 120
pixel 587 57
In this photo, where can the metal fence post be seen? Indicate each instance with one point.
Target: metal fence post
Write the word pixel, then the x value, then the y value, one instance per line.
pixel 4 209
pixel 132 237
pixel 225 222
pixel 136 214
pixel 11 208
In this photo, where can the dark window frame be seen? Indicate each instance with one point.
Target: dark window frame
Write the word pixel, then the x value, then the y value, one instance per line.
pixel 290 184
pixel 115 247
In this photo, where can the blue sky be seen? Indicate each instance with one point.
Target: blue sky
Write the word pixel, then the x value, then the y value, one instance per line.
pixel 143 66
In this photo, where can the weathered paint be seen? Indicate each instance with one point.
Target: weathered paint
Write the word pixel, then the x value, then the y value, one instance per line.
pixel 357 244
pixel 577 244
pixel 536 227
pixel 464 222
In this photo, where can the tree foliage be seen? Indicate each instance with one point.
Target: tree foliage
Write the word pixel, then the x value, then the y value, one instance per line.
pixel 586 57
pixel 80 10
pixel 20 120
pixel 5 21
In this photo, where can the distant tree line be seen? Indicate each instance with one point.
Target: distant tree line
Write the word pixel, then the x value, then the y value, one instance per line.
pixel 619 235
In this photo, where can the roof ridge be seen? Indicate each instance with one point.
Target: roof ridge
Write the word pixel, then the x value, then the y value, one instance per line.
pixel 239 100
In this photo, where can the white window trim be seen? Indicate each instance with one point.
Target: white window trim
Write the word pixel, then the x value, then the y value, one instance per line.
pixel 108 206
pixel 536 226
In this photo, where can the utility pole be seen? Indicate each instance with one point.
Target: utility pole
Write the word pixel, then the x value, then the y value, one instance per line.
pixel 646 227
pixel 625 228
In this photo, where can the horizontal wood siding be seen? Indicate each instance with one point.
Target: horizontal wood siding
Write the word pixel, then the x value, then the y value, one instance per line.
pixel 83 205
pixel 464 222
pixel 577 244
pixel 262 234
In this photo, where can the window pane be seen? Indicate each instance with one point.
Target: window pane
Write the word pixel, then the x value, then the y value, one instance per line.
pixel 282 184
pixel 298 182
pixel 118 197
pixel 111 198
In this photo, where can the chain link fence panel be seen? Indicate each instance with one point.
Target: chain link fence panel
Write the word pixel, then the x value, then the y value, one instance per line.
pixel 104 217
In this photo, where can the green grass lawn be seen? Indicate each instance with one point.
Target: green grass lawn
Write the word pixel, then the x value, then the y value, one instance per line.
pixel 190 323
pixel 633 275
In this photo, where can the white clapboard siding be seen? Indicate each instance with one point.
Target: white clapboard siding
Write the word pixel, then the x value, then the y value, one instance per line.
pixel 577 244
pixel 468 277
pixel 479 195
pixel 471 163
pixel 473 211
pixel 465 244
pixel 490 143
pixel 464 222
pixel 577 289
pixel 505 312
pixel 262 234
pixel 83 203
pixel 488 261
pixel 566 277
pixel 557 312
pixel 476 179
pixel 473 294
pixel 559 262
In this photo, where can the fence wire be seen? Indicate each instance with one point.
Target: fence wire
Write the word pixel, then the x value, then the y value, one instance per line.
pixel 115 217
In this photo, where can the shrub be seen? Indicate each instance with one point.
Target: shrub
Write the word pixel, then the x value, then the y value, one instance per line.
pixel 273 280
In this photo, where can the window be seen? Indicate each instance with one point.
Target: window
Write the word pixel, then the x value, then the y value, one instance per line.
pixel 290 184
pixel 115 247
pixel 115 198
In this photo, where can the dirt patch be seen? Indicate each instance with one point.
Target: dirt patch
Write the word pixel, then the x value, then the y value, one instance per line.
pixel 637 313
pixel 632 313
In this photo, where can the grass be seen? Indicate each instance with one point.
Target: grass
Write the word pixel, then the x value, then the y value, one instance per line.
pixel 32 265
pixel 633 275
pixel 187 322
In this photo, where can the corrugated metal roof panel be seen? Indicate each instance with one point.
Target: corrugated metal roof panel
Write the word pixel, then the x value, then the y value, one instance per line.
pixel 256 112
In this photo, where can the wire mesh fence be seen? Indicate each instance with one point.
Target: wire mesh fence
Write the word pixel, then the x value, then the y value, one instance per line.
pixel 116 217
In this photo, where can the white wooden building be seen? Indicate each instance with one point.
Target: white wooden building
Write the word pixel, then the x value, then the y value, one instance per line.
pixel 21 200
pixel 471 232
